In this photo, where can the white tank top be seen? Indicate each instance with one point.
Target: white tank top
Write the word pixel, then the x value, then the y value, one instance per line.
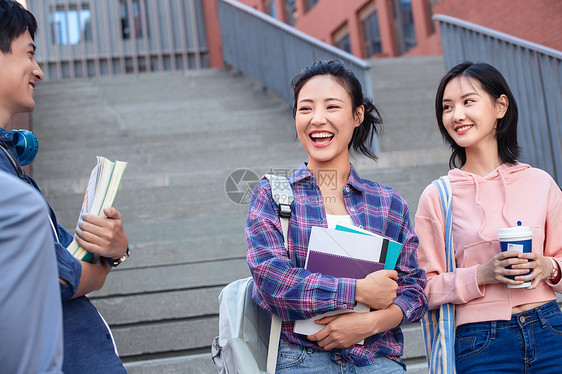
pixel 334 219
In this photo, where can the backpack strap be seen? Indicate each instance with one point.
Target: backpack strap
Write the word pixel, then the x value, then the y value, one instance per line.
pixel 282 194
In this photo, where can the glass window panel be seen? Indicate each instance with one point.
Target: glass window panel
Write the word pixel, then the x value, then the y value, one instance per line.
pixel 270 8
pixel 310 4
pixel 371 35
pixel 290 12
pixel 407 20
pixel 70 27
pixel 136 28
pixel 344 43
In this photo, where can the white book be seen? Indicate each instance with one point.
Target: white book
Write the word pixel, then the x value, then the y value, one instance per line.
pixel 103 185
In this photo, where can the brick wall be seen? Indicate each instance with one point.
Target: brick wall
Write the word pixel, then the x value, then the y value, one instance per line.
pixel 538 21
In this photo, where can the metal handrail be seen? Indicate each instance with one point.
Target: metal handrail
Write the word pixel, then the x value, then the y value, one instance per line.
pixel 336 53
pixel 291 30
pixel 498 35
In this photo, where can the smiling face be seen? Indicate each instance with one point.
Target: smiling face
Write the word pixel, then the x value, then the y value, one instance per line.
pixel 470 114
pixel 19 72
pixel 325 122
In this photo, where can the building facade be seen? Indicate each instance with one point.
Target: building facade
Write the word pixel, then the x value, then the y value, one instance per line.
pixel 390 28
pixel 364 28
pixel 85 38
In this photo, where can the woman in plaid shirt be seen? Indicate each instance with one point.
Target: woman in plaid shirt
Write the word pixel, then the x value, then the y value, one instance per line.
pixel 331 117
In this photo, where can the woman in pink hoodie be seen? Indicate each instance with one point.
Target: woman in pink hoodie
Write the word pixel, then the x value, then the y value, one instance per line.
pixel 498 329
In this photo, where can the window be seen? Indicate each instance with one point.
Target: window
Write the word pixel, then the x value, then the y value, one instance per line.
pixel 270 9
pixel 404 23
pixel 310 4
pixel 430 4
pixel 290 12
pixel 371 35
pixel 131 13
pixel 344 44
pixel 71 26
pixel 341 39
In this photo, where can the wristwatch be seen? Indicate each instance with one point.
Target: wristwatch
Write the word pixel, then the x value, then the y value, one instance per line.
pixel 554 271
pixel 113 263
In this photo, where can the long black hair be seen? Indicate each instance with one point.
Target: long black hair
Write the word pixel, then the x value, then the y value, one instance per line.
pixel 493 82
pixel 14 21
pixel 362 137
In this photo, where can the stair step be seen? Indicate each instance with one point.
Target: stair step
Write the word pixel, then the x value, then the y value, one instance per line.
pixel 404 92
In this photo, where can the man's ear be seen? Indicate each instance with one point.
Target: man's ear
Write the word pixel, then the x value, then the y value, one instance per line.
pixel 502 104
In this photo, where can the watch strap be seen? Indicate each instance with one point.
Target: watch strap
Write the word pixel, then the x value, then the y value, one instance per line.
pixel 554 270
pixel 114 263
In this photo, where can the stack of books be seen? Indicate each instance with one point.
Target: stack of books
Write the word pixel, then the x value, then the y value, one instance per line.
pixel 346 252
pixel 104 182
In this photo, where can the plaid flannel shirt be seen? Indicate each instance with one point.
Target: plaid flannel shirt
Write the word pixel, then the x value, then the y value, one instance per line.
pixel 284 287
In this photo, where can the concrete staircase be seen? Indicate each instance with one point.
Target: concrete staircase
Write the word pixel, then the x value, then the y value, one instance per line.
pixel 412 151
pixel 183 135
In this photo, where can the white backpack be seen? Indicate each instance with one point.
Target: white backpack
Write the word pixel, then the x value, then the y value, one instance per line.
pixel 248 339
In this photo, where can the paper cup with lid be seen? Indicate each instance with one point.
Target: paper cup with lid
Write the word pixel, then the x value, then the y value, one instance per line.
pixel 517 238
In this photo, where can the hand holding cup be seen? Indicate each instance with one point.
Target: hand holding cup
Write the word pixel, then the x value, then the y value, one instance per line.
pixel 517 240
pixel 498 269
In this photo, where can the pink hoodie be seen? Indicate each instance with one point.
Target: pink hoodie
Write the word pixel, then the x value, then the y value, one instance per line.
pixel 482 206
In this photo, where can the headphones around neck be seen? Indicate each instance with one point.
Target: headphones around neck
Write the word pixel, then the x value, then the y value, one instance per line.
pixel 26 145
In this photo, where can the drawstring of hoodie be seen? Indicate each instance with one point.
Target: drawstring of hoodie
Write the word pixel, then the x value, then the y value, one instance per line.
pixel 477 202
pixel 504 208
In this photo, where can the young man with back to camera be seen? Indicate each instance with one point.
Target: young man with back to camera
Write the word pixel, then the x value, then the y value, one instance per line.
pixel 30 305
pixel 88 344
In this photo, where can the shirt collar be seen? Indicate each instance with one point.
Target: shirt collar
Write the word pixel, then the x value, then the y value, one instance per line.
pixel 300 174
pixel 355 180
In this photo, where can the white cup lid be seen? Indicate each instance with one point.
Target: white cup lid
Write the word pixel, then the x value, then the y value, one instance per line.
pixel 516 231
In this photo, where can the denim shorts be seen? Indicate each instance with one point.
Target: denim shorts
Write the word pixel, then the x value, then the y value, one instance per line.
pixel 295 358
pixel 531 342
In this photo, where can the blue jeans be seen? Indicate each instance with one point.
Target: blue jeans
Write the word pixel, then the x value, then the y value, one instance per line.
pixel 298 359
pixel 531 342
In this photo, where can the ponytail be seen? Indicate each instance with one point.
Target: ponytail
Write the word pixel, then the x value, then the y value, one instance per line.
pixel 362 139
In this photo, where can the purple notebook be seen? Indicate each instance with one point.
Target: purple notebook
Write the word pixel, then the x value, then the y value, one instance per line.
pixel 341 266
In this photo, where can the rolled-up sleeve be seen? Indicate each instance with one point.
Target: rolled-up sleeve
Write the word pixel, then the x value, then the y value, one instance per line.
pixel 70 268
pixel 410 296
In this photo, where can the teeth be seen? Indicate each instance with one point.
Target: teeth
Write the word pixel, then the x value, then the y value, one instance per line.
pixel 321 135
pixel 463 128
